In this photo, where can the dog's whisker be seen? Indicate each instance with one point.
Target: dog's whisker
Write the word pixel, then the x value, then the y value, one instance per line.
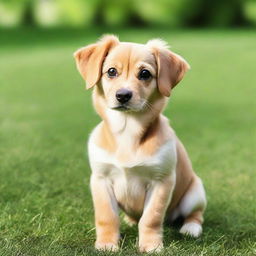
pixel 149 106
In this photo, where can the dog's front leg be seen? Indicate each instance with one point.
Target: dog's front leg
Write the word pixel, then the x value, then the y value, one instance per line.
pixel 151 222
pixel 106 214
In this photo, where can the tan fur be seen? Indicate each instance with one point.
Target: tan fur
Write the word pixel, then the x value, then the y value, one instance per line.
pixel 184 175
pixel 92 57
pixel 106 220
pixel 125 140
pixel 150 225
pixel 196 217
pixel 106 140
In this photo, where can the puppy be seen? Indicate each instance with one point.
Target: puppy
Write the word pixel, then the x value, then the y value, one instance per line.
pixel 138 163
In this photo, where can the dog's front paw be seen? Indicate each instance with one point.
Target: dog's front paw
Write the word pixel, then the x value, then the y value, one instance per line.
pixel 151 247
pixel 106 246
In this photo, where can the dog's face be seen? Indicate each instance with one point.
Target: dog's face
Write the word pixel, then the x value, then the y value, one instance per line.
pixel 129 77
pixel 130 74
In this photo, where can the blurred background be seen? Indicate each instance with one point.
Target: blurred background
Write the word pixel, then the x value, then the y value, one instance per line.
pixel 85 13
pixel 46 117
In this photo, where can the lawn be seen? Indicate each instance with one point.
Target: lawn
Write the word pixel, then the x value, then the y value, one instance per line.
pixel 46 117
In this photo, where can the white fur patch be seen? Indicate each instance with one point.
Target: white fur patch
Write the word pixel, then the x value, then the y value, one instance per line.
pixel 131 179
pixel 193 199
pixel 157 43
pixel 151 168
pixel 191 229
pixel 106 247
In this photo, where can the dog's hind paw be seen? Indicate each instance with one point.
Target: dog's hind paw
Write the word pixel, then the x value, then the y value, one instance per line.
pixel 191 229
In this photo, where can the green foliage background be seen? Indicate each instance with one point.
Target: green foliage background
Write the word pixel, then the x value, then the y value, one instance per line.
pixel 82 13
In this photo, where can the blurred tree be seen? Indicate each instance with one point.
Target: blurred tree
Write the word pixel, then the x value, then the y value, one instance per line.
pixel 167 12
pixel 126 12
pixel 28 18
pixel 78 12
pixel 46 12
pixel 220 13
pixel 116 12
pixel 250 10
pixel 12 12
pixel 65 12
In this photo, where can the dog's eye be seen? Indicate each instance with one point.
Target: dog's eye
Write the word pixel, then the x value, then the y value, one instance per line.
pixel 144 74
pixel 112 72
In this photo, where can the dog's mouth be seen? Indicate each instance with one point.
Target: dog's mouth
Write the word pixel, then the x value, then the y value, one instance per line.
pixel 126 107
pixel 121 108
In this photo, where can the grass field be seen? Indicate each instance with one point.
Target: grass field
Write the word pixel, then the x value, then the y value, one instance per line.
pixel 46 116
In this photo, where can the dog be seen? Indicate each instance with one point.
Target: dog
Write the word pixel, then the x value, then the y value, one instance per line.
pixel 138 163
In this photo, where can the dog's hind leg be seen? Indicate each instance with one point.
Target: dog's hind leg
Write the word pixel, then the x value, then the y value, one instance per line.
pixel 192 208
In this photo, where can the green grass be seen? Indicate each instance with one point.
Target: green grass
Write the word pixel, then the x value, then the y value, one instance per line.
pixel 46 116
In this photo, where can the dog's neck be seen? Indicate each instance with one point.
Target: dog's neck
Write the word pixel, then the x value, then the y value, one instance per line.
pixel 127 128
pixel 126 131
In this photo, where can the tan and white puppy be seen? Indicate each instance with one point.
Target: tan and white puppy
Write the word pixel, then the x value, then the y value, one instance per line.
pixel 138 163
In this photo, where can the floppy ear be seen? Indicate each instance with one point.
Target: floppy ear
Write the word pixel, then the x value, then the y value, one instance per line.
pixel 89 59
pixel 171 67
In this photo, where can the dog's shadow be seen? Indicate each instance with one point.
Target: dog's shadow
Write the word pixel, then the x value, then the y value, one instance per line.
pixel 219 230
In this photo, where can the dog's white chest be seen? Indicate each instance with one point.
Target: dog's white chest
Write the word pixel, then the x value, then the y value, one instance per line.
pixel 153 167
pixel 130 179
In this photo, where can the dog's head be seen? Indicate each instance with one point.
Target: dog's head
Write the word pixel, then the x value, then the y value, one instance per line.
pixel 128 74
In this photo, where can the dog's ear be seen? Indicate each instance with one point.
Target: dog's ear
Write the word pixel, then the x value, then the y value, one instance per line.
pixel 89 59
pixel 171 67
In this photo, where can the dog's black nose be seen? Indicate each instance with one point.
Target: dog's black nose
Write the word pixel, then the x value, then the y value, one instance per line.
pixel 123 95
